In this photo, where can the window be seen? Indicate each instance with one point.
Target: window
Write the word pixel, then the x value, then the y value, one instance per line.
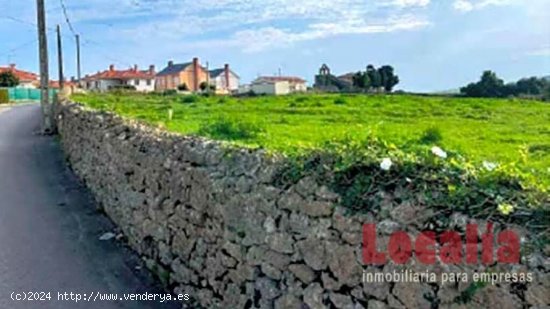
pixel 136 82
pixel 149 82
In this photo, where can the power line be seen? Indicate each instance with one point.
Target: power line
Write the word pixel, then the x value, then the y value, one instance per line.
pixel 67 17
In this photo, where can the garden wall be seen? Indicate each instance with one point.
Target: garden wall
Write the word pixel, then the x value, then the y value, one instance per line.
pixel 211 222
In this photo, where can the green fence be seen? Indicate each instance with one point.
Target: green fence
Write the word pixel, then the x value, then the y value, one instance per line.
pixel 27 94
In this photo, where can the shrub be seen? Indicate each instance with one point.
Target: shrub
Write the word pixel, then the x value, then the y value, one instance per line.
pixel 169 92
pixel 224 128
pixel 340 101
pixel 431 136
pixel 190 99
pixel 4 96
pixel 183 87
pixel 8 79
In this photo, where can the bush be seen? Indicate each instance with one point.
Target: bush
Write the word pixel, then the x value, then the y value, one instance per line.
pixel 8 79
pixel 169 92
pixel 431 136
pixel 340 101
pixel 224 128
pixel 4 96
pixel 190 99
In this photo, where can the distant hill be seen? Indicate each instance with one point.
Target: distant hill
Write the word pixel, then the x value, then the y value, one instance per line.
pixel 447 92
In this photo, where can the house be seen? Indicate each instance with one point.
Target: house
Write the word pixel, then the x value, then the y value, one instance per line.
pixel 278 85
pixel 26 79
pixel 225 80
pixel 190 74
pixel 142 80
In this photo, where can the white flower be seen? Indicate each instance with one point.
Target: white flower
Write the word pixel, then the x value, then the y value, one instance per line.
pixel 439 152
pixel 386 164
pixel 489 165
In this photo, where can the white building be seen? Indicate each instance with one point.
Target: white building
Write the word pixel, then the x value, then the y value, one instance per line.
pixel 143 81
pixel 278 85
pixel 225 80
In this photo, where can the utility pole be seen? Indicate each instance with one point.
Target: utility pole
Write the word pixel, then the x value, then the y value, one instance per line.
pixel 47 117
pixel 60 59
pixel 78 58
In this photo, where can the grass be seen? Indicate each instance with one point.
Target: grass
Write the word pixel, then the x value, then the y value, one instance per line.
pixel 503 131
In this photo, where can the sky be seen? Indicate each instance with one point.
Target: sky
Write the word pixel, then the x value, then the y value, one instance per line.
pixel 434 45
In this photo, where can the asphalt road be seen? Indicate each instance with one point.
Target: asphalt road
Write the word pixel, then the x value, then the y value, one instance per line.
pixel 50 227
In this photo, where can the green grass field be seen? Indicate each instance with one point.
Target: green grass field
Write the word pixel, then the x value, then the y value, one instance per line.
pixel 496 130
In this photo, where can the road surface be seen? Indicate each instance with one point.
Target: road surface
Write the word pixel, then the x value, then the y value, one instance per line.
pixel 50 228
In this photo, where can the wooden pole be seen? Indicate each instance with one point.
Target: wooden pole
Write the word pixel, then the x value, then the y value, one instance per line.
pixel 60 59
pixel 78 58
pixel 47 117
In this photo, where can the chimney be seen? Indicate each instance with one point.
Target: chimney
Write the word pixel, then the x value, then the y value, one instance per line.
pixel 226 71
pixel 112 67
pixel 135 67
pixel 196 73
pixel 151 69
pixel 12 66
pixel 170 63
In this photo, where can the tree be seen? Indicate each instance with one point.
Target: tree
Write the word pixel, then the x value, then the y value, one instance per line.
pixel 388 79
pixel 8 79
pixel 203 86
pixel 183 87
pixel 489 86
pixel 374 77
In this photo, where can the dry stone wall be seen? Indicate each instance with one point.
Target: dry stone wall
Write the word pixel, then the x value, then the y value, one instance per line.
pixel 211 223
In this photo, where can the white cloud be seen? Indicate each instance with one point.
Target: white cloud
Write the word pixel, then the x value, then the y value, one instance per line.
pixel 470 5
pixel 249 25
pixel 407 3
pixel 540 52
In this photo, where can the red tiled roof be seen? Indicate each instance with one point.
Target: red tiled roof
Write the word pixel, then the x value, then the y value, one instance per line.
pixel 290 79
pixel 23 76
pixel 122 74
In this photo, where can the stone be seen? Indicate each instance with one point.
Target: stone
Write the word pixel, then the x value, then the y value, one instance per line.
pixel 269 225
pixel 329 283
pixel 378 290
pixel 314 253
pixel 404 213
pixel 268 288
pixel 343 264
pixel 165 254
pixel 326 194
pixel 494 297
pixel 278 260
pixel 414 295
pixel 302 272
pixel 317 209
pixel 306 186
pixel 394 303
pixel 290 201
pixel 375 304
pixel 288 301
pixel 280 242
pixel 271 271
pixel 537 295
pixel 341 301
pixel 313 296
pixel 387 227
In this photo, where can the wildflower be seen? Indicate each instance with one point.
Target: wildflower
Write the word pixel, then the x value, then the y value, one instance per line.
pixel 386 164
pixel 439 152
pixel 505 208
pixel 489 165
